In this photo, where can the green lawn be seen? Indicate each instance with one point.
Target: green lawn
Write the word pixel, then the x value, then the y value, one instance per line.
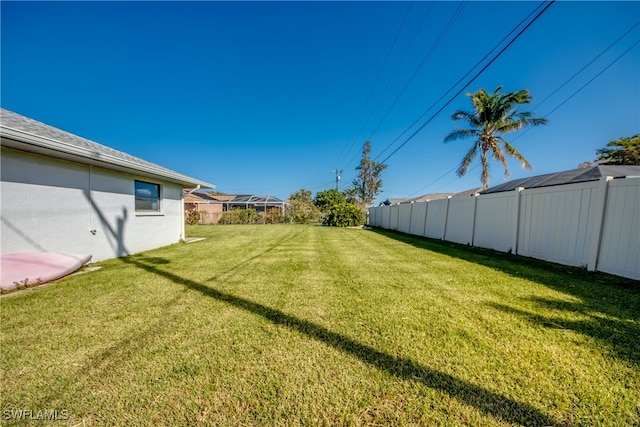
pixel 308 325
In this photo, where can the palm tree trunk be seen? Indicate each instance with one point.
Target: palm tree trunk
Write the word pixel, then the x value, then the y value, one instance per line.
pixel 485 169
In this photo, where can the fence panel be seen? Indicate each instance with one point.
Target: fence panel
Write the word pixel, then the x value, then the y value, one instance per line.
pixel 620 244
pixel 460 220
pixel 418 217
pixel 436 219
pixel 374 213
pixel 386 218
pixel 496 221
pixel 593 224
pixel 404 217
pixel 556 223
pixel 393 220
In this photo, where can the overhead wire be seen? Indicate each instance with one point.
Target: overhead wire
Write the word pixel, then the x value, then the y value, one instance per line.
pixel 528 25
pixel 417 70
pixel 404 54
pixel 384 90
pixel 589 63
pixel 452 87
pixel 560 87
pixel 375 83
pixel 589 81
pixel 425 58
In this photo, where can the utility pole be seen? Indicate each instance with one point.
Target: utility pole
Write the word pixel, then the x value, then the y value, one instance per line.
pixel 337 172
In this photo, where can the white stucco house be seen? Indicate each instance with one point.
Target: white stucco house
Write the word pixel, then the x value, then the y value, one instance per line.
pixel 63 193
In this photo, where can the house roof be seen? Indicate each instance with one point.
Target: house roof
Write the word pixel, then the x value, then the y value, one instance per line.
pixel 25 134
pixel 423 198
pixel 593 173
pixel 250 199
pixel 199 198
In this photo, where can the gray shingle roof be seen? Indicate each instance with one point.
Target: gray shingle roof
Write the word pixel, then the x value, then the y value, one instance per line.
pixel 593 173
pixel 23 133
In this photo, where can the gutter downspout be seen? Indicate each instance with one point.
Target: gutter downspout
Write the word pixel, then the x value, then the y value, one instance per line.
pixel 194 189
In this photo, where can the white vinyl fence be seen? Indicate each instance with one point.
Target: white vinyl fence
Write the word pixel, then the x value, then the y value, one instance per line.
pixel 592 224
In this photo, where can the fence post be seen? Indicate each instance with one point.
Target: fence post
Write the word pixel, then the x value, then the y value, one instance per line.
pixel 514 245
pixel 426 214
pixel 411 216
pixel 596 235
pixel 446 219
pixel 475 213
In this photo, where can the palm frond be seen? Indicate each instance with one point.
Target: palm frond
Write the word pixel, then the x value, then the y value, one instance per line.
pixel 511 151
pixel 494 115
pixel 498 154
pixel 460 133
pixel 468 158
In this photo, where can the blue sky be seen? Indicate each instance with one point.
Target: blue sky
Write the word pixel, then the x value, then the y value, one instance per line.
pixel 271 97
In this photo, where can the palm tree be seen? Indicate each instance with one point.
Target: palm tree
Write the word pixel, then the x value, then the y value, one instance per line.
pixel 494 116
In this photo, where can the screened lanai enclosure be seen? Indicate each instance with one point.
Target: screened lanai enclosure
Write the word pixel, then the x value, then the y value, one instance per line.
pixel 207 208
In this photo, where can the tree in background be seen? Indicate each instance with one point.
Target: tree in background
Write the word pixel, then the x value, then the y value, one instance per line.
pixel 493 116
pixel 367 185
pixel 623 151
pixel 304 211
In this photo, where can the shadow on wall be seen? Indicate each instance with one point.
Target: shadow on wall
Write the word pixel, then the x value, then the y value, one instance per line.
pixel 609 304
pixel 489 402
pixel 115 236
pixel 22 235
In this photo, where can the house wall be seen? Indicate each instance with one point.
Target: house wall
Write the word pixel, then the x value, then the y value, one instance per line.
pixel 591 224
pixel 210 213
pixel 51 205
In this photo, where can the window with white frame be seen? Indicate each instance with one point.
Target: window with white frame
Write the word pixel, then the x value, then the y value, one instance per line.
pixel 147 196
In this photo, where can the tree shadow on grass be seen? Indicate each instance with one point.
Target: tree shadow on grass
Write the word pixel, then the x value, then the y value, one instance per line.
pixel 488 402
pixel 610 303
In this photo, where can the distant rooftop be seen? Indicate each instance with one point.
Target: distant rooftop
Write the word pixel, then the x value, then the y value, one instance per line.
pixel 593 173
pixel 233 199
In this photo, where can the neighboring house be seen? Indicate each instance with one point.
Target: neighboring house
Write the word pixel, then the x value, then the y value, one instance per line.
pixel 211 206
pixel 63 193
pixel 431 196
pixel 572 176
pixel 208 209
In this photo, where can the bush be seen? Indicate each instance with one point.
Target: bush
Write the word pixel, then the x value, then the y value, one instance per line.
pixel 274 216
pixel 239 216
pixel 344 215
pixel 192 217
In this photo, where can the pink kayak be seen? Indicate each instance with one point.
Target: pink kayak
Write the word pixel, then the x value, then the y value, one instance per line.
pixel 32 268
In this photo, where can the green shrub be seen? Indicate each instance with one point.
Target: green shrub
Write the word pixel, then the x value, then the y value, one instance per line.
pixel 239 216
pixel 344 215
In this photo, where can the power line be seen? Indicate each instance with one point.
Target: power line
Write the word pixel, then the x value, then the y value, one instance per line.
pixel 375 83
pixel 592 79
pixel 566 99
pixel 425 58
pixel 547 5
pixel 588 64
pixel 404 54
pixel 415 73
pixel 538 10
pixel 460 80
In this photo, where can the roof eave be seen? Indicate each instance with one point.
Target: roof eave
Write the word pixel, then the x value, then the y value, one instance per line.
pixel 31 143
